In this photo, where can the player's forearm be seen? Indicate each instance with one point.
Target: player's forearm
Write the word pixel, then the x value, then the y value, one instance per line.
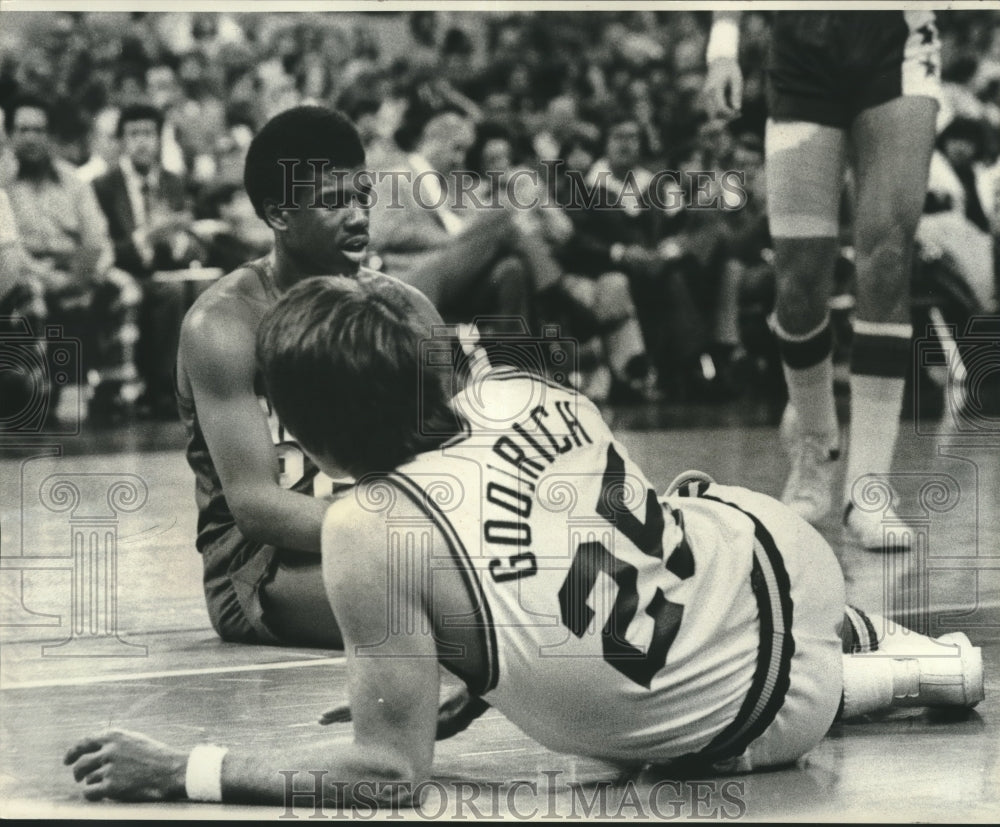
pixel 342 772
pixel 277 517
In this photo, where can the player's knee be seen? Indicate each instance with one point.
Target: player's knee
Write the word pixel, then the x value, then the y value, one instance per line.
pixel 883 255
pixel 802 283
pixel 888 236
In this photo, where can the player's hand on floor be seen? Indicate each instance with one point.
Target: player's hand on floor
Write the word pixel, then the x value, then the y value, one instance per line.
pixel 127 766
pixel 458 709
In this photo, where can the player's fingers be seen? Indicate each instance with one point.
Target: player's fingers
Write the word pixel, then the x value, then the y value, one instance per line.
pixel 87 763
pixel 84 745
pixel 95 792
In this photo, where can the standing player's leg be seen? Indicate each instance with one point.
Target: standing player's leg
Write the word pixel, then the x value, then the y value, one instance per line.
pixel 804 169
pixel 892 145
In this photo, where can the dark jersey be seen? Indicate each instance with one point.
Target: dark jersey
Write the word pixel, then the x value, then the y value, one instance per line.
pixel 237 568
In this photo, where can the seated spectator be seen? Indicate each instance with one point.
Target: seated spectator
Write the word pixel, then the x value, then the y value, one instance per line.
pixel 597 307
pixel 961 215
pixel 165 93
pixel 744 348
pixel 69 257
pixel 625 227
pixel 104 149
pixel 149 220
pixel 467 262
pixel 22 312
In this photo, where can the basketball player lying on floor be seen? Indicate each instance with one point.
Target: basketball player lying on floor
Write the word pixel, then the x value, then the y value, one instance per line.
pixel 533 560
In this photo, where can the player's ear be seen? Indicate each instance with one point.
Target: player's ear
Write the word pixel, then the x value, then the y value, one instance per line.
pixel 274 216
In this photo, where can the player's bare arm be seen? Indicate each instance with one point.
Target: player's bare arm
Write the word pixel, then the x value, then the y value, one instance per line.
pixel 217 354
pixel 394 696
pixel 723 90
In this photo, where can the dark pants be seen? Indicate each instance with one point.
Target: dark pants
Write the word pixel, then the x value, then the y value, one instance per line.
pixel 160 316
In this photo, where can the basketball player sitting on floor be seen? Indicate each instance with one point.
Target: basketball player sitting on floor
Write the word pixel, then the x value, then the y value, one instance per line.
pixel 511 538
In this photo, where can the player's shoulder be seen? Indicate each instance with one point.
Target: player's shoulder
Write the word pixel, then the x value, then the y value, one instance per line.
pixel 230 300
pixel 225 317
pixel 354 527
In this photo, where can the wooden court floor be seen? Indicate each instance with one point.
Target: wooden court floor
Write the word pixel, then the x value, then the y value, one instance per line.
pixel 165 673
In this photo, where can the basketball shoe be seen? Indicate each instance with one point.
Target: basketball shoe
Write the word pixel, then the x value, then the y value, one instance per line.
pixel 809 489
pixel 942 671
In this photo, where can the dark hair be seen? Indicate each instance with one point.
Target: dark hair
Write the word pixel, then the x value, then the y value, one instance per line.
pixel 580 139
pixel 139 112
pixel 358 100
pixel 456 42
pixel 303 133
pixel 486 132
pixel 341 360
pixel 27 101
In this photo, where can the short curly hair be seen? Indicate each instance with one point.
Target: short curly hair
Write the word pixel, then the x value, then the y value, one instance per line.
pixel 304 134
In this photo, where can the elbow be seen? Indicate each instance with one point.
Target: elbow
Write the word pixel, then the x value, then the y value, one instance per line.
pixel 249 516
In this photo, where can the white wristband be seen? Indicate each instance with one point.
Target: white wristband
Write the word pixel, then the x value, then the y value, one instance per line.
pixel 723 40
pixel 203 777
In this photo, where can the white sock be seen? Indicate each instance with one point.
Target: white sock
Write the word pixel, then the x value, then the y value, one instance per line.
pixel 868 684
pixel 879 355
pixel 875 407
pixel 807 362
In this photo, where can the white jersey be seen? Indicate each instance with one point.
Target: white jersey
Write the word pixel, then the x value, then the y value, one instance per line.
pixel 618 624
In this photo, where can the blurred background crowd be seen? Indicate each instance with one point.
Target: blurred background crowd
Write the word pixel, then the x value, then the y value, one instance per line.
pixel 124 134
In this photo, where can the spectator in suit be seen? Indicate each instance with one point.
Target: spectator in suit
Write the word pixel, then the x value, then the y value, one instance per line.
pixel 149 219
pixel 68 255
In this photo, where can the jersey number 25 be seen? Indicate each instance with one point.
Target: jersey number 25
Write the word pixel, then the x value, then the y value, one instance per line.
pixel 593 557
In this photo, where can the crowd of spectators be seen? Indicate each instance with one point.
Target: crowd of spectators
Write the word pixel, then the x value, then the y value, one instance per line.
pixel 665 282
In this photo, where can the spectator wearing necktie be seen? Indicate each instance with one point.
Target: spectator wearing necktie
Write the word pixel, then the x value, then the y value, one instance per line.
pixel 149 220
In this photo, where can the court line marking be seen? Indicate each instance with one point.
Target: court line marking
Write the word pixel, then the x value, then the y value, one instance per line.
pixel 176 673
pixel 495 752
